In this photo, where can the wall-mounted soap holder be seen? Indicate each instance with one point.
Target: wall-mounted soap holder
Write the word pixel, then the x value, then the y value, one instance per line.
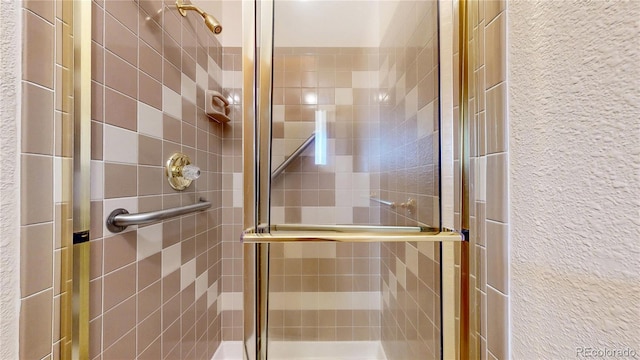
pixel 216 106
pixel 410 205
pixel 180 172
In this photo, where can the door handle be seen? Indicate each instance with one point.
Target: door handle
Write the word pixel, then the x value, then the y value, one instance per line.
pixel 347 233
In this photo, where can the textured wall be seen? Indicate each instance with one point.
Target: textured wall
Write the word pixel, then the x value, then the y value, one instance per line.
pixel 574 105
pixel 9 194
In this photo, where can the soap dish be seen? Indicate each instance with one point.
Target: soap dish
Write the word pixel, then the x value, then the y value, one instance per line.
pixel 217 107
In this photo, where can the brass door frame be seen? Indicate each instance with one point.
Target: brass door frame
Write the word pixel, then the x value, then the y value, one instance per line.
pixel 256 65
pixel 257 19
pixel 82 177
pixel 467 294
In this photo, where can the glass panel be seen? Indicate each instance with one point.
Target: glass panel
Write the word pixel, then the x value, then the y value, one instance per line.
pixel 362 77
pixel 367 89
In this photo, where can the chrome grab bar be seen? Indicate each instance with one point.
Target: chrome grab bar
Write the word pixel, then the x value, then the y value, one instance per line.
pixel 383 202
pixel 120 219
pixel 347 233
pixel 409 205
pixel 293 156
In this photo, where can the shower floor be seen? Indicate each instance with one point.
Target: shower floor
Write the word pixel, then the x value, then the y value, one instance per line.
pixel 309 350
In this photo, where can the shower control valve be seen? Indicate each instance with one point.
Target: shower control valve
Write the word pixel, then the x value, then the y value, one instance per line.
pixel 180 172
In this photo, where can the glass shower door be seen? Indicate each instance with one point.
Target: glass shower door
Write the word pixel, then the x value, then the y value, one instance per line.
pixel 343 254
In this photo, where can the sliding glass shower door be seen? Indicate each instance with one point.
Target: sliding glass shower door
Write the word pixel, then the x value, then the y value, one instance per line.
pixel 343 254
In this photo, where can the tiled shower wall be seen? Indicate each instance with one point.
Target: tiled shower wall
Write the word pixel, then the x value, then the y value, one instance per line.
pixel 361 89
pixel 46 171
pixel 161 68
pixel 341 81
pixel 404 334
pixel 489 199
pixel 410 170
pixel 231 300
pixel 154 289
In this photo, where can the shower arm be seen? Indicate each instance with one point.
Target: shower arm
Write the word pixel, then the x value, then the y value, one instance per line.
pixel 183 8
pixel 211 22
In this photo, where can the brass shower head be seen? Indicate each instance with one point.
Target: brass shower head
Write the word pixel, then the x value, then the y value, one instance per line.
pixel 212 23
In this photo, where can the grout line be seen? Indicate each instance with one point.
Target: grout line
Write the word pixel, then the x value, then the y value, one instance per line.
pixel 498 291
pixel 55 17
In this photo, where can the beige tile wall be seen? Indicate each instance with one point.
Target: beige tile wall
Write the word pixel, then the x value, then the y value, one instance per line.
pixel 489 235
pixel 155 288
pixel 358 88
pixel 410 321
pixel 46 171
pixel 338 80
pixel 342 82
pixel 325 292
pixel 409 169
pixel 232 197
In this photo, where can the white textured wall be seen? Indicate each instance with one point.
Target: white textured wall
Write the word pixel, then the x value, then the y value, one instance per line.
pixel 574 75
pixel 10 54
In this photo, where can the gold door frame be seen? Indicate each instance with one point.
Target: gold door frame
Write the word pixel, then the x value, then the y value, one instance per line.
pixel 464 162
pixel 470 319
pixel 256 65
pixel 257 17
pixel 81 83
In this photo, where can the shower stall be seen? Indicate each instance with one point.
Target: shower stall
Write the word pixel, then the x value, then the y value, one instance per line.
pixel 349 156
pixel 345 254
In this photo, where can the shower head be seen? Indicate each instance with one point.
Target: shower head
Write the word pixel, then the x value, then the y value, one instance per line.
pixel 212 23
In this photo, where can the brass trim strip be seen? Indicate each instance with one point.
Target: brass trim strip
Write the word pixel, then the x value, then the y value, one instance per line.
pixel 82 115
pixel 262 291
pixel 282 237
pixel 255 299
pixel 249 129
pixel 449 291
pixel 464 116
pixel 249 348
pixel 465 179
pixel 265 81
pixel 349 228
pixel 81 181
pixel 464 304
pixel 80 331
pixel 364 236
